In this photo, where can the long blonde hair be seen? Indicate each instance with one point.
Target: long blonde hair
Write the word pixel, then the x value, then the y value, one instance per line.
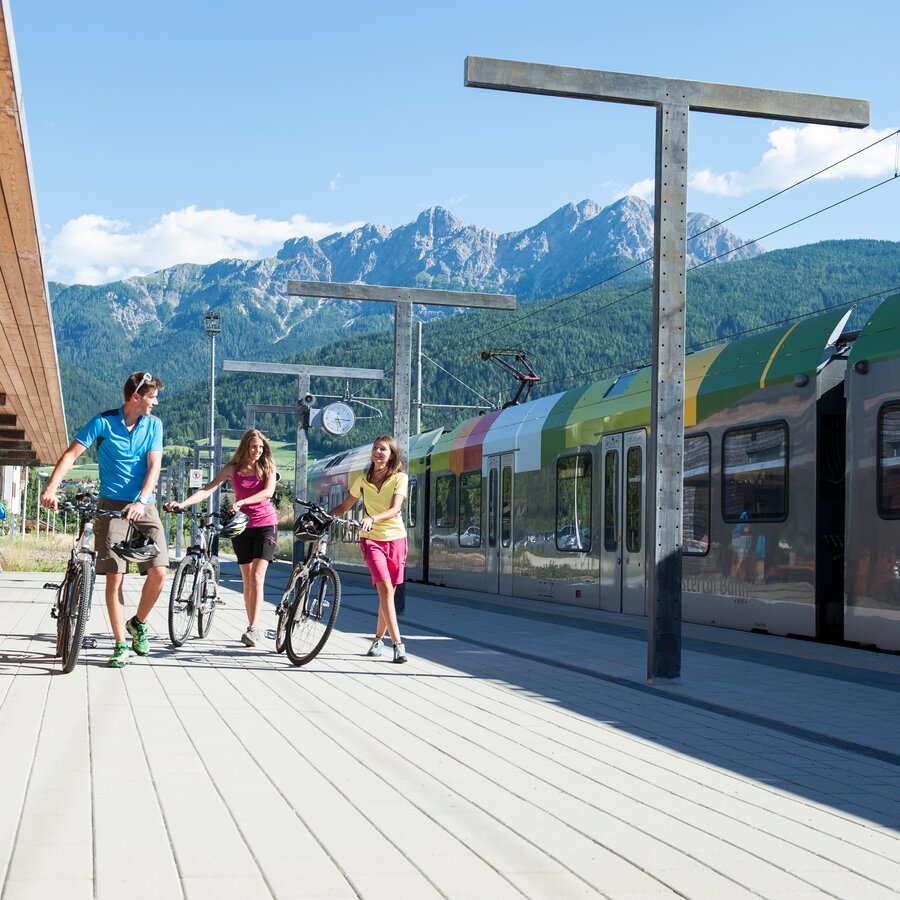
pixel 394 464
pixel 265 465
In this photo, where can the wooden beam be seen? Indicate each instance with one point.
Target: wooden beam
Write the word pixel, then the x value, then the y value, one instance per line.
pixel 337 291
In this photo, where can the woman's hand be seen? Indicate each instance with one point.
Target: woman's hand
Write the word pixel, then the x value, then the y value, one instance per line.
pixel 236 506
pixel 367 523
pixel 172 506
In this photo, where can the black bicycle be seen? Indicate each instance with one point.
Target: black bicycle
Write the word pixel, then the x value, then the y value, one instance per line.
pixel 195 588
pixel 310 604
pixel 74 596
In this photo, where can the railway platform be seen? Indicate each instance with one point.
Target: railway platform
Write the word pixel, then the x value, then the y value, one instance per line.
pixel 519 753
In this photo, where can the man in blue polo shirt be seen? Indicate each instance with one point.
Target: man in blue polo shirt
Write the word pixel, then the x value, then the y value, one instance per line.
pixel 129 453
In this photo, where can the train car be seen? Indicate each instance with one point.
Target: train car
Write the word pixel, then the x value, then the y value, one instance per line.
pixel 547 500
pixel 872 542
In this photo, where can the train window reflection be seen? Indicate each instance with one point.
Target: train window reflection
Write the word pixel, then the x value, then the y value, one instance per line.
pixel 754 473
pixel 889 461
pixel 506 508
pixel 445 501
pixel 695 509
pixel 470 509
pixel 411 502
pixel 573 503
pixel 611 500
pixel 633 492
pixel 492 508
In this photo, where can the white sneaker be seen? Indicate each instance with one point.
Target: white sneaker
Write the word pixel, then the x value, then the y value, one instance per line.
pixel 251 637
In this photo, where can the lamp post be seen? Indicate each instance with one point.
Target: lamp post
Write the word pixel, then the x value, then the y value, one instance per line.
pixel 212 324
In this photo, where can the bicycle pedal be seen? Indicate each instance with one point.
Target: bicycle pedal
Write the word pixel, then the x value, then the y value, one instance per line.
pixel 220 601
pixel 89 643
pixel 271 634
pixel 54 612
pixel 51 586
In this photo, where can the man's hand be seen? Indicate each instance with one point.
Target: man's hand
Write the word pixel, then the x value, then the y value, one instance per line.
pixel 133 511
pixel 49 500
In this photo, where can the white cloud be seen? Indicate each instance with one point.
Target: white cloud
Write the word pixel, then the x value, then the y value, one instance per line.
pixel 796 152
pixel 334 183
pixel 92 249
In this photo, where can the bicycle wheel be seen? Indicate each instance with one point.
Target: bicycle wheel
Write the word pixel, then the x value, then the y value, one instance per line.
pixel 75 612
pixel 182 600
pixel 207 607
pixel 282 613
pixel 313 616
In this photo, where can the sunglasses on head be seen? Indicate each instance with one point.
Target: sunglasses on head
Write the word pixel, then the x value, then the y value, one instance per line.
pixel 146 378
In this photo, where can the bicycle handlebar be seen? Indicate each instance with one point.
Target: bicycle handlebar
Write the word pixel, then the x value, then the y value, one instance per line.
pixel 88 503
pixel 318 510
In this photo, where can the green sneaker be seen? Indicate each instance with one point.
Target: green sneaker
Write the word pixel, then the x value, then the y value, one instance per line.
pixel 138 636
pixel 120 656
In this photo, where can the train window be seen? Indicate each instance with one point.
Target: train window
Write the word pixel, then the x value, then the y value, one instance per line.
pixel 695 508
pixel 754 473
pixel 411 502
pixel 506 507
pixel 470 509
pixel 611 500
pixel 445 500
pixel 633 491
pixel 492 508
pixel 889 462
pixel 573 503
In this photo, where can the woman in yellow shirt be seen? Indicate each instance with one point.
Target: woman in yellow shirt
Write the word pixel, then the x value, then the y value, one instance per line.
pixel 383 489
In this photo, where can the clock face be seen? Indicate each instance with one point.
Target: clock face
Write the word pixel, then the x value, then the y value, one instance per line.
pixel 338 418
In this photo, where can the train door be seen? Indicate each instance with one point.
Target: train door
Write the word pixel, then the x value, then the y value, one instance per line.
pixel 622 509
pixel 500 523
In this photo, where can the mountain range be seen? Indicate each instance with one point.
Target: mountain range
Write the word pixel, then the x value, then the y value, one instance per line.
pixel 155 321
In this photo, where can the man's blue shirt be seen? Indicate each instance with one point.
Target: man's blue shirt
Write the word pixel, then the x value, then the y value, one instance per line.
pixel 122 454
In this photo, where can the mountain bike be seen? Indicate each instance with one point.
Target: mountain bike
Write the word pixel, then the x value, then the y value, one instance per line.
pixel 74 596
pixel 310 603
pixel 195 588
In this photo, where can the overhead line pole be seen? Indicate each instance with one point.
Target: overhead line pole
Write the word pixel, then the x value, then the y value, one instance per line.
pixel 403 299
pixel 673 99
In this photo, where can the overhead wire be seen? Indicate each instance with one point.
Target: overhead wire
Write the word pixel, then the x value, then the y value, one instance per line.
pixel 649 258
pixel 545 307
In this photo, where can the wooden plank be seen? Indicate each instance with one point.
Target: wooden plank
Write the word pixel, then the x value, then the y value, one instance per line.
pixel 337 291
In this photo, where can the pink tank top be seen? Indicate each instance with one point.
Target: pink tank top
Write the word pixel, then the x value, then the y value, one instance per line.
pixel 262 513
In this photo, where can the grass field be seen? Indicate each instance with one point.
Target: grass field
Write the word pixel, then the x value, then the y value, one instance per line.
pixel 283 452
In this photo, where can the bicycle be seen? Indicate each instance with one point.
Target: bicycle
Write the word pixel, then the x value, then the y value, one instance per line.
pixel 195 588
pixel 310 603
pixel 74 595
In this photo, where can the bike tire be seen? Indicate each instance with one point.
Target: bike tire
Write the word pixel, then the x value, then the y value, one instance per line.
pixel 283 612
pixel 182 600
pixel 77 606
pixel 205 610
pixel 313 616
pixel 282 615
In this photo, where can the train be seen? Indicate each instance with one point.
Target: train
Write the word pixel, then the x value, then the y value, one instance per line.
pixel 791 489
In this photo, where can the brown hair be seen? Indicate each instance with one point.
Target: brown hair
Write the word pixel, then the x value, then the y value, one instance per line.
pixel 143 383
pixel 265 465
pixel 395 463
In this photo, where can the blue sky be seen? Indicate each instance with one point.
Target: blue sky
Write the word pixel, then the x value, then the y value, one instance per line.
pixel 191 131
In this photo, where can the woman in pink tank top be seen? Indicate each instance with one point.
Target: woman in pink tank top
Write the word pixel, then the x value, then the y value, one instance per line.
pixel 252 474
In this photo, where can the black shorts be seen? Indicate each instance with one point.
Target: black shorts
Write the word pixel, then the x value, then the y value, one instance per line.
pixel 254 543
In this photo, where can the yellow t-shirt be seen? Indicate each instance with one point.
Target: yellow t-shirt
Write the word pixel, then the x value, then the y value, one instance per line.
pixel 379 501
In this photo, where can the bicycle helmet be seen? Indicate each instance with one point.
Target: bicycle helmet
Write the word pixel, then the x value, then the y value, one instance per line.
pixel 136 547
pixel 310 527
pixel 234 524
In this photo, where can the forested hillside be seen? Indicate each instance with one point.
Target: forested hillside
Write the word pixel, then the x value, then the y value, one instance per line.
pixel 591 336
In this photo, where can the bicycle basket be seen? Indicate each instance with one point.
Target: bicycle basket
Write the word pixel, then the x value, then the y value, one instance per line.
pixel 234 524
pixel 310 526
pixel 136 547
